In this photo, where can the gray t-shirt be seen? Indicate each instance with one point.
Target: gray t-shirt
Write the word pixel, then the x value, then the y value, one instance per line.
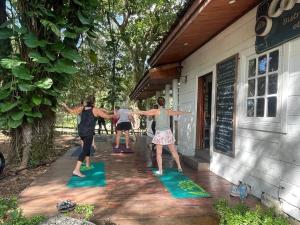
pixel 124 115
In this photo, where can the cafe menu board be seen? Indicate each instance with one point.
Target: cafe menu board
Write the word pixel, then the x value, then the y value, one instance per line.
pixel 225 105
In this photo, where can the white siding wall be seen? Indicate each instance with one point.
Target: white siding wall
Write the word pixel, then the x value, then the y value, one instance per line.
pixel 265 160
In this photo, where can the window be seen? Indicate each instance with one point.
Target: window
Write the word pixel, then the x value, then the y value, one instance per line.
pixel 262 78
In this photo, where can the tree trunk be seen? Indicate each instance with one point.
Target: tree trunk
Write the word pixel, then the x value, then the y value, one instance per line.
pixel 26 145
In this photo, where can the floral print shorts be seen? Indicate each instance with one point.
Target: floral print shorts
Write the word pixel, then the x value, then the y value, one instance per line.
pixel 163 137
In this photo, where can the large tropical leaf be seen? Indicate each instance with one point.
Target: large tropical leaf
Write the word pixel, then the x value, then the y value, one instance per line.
pixel 55 29
pixel 10 63
pixel 71 54
pixel 63 66
pixel 78 2
pixel 3 121
pixel 26 87
pixel 5 33
pixel 47 101
pixel 82 19
pixel 22 72
pixel 45 83
pixel 6 106
pixel 36 57
pixel 31 41
pixel 4 93
pixel 37 100
pixel 17 115
pixel 50 55
pixel 34 114
pixel 14 123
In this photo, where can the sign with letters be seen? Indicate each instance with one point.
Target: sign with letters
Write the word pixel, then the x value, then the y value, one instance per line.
pixel 277 21
pixel 225 105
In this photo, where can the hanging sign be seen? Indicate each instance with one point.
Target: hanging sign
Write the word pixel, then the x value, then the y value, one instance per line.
pixel 277 21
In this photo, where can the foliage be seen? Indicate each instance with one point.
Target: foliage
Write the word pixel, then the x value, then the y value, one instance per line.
pixel 241 214
pixel 44 36
pixel 10 214
pixel 82 211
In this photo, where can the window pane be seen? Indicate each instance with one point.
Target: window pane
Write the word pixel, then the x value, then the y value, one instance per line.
pixel 272 106
pixel 251 88
pixel 252 68
pixel 272 86
pixel 273 61
pixel 250 107
pixel 261 86
pixel 262 64
pixel 260 107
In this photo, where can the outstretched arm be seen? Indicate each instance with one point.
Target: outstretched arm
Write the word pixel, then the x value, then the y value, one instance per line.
pixel 99 112
pixel 75 110
pixel 151 112
pixel 177 113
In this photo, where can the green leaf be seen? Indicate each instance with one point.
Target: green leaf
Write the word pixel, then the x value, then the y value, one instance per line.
pixel 5 107
pixel 78 2
pixel 45 83
pixel 52 26
pixel 50 55
pixel 37 100
pixel 71 54
pixel 93 57
pixel 14 123
pixel 57 47
pixel 4 93
pixel 29 119
pixel 70 35
pixel 5 33
pixel 34 114
pixel 82 19
pixel 47 101
pixel 26 87
pixel 10 63
pixel 3 121
pixel 31 41
pixel 17 115
pixel 63 66
pixel 36 57
pixel 22 72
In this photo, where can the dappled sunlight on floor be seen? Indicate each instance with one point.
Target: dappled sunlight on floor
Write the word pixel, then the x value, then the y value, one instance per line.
pixel 132 194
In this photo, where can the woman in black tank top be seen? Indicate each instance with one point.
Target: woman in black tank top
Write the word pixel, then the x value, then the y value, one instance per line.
pixel 86 127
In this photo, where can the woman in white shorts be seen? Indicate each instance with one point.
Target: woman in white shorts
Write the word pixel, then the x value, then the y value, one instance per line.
pixel 163 134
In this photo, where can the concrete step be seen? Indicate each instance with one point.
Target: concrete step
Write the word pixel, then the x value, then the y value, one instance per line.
pixel 198 164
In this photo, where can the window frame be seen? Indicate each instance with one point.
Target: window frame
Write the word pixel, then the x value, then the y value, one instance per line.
pixel 274 124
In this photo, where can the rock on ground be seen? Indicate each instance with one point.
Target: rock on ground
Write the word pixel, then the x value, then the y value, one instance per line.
pixel 64 220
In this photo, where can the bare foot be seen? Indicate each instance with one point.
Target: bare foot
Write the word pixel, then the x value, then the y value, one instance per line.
pixel 78 174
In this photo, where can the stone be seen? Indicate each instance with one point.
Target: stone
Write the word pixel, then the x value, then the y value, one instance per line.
pixel 64 220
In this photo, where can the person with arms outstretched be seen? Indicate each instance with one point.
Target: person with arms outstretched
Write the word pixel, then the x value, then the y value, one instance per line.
pixel 163 134
pixel 86 127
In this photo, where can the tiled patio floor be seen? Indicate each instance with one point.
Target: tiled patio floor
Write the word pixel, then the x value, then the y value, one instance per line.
pixel 132 195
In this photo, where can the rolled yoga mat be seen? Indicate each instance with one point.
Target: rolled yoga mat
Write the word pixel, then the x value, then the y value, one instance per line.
pixel 95 177
pixel 181 186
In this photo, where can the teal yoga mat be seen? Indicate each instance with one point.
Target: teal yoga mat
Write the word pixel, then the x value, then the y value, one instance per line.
pixel 180 186
pixel 95 177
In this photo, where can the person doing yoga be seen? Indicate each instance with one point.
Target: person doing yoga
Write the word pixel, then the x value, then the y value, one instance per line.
pixel 86 127
pixel 163 135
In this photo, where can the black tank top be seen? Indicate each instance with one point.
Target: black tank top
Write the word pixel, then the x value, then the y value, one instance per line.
pixel 87 123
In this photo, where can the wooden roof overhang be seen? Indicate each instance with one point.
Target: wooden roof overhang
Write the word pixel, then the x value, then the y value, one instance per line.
pixel 154 80
pixel 202 21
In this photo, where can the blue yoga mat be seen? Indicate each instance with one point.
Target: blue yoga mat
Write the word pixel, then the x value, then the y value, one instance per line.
pixel 181 186
pixel 95 177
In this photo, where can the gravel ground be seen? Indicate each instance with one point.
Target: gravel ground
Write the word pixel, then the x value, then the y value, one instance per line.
pixel 64 220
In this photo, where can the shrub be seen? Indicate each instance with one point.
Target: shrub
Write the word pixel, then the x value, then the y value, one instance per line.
pixel 241 214
pixel 10 214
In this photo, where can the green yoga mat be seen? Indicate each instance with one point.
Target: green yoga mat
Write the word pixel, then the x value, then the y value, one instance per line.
pixel 180 186
pixel 95 177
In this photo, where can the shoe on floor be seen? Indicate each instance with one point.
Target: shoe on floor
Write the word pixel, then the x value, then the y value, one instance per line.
pixel 158 173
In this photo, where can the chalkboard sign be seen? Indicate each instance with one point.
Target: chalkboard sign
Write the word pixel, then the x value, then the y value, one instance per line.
pixel 276 23
pixel 225 105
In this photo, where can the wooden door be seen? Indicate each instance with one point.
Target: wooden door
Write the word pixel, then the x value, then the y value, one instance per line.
pixel 200 114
